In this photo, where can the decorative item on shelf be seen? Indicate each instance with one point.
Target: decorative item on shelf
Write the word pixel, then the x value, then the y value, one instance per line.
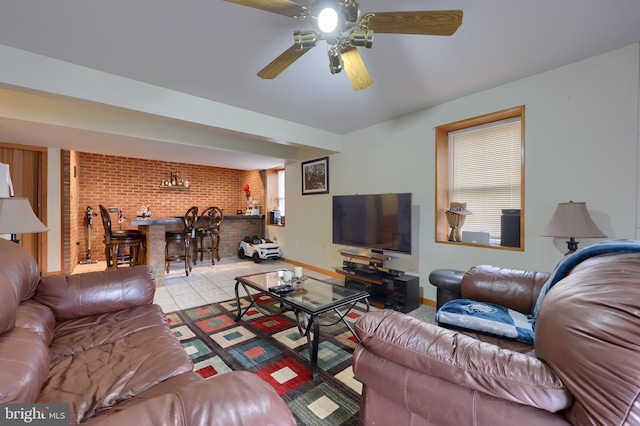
pixel 174 182
pixel 144 212
pixel 455 218
pixel 247 191
pixel 572 220
pixel 17 217
pixel 255 210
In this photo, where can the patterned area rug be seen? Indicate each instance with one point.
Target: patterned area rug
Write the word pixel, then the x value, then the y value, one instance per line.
pixel 272 347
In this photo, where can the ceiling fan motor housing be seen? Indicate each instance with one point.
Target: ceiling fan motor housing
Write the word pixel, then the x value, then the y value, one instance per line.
pixel 350 9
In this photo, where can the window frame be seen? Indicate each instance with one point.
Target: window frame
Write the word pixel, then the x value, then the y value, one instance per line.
pixel 442 171
pixel 273 192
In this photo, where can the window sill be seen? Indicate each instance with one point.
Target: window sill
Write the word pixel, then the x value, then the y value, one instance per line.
pixel 496 247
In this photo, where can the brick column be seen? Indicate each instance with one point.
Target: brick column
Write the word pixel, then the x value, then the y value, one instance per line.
pixel 155 250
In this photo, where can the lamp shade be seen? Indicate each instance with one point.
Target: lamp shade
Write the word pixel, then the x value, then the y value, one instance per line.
pixel 17 217
pixel 572 220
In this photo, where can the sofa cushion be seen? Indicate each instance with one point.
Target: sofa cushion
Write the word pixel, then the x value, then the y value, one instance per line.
pixel 100 360
pixel 93 293
pixel 36 318
pixel 84 333
pixel 25 363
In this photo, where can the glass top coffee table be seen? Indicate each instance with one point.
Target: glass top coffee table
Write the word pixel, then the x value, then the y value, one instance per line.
pixel 313 298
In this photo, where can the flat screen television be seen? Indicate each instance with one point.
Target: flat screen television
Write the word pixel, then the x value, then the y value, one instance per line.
pixel 375 221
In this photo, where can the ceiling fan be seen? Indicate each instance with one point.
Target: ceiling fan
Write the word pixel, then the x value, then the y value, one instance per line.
pixel 339 23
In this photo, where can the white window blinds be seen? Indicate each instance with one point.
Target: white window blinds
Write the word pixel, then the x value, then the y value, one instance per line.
pixel 485 172
pixel 281 197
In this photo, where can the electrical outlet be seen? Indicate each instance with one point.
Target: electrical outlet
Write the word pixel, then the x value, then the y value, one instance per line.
pixel 113 209
pixel 410 266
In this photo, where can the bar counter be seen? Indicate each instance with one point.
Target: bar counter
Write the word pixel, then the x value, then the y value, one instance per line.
pixel 234 228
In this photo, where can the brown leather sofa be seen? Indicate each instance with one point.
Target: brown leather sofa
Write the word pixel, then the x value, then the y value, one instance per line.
pixel 96 342
pixel 582 369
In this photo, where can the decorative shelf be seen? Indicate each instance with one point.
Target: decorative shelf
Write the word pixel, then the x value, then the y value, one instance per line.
pixel 174 187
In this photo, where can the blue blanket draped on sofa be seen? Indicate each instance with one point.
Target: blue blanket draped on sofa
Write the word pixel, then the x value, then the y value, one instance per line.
pixel 489 318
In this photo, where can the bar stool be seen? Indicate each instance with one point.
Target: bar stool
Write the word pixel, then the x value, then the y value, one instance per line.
pixel 182 238
pixel 114 241
pixel 208 226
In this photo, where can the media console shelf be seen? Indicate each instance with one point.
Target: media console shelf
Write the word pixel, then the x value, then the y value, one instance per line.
pixel 371 257
pixel 372 277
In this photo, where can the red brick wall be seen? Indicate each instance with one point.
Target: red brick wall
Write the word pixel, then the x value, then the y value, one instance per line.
pixel 129 183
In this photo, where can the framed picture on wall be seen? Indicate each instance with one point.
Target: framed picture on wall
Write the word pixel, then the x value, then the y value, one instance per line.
pixel 315 176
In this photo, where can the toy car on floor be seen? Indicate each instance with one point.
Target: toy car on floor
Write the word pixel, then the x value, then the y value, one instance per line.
pixel 258 249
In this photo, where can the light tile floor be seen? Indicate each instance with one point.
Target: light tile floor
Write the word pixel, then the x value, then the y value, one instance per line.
pixel 206 283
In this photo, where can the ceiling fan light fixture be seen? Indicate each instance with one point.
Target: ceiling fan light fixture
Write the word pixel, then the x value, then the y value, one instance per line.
pixel 328 20
pixel 335 60
pixel 361 38
pixel 305 40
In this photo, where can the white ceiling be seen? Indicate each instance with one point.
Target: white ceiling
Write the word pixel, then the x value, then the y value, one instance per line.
pixel 213 49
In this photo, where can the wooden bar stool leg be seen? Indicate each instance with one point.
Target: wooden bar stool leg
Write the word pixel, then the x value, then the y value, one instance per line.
pixel 215 244
pixel 187 256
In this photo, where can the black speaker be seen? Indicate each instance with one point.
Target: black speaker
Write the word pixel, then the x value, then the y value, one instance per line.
pixel 406 293
pixel 510 228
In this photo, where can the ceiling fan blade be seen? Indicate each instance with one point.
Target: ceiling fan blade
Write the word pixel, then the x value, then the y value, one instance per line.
pixel 441 22
pixel 281 7
pixel 355 68
pixel 282 62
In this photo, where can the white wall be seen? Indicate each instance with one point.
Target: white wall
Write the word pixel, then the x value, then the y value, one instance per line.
pixel 581 145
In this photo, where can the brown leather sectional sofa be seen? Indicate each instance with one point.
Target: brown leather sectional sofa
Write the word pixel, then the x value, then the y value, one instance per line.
pixel 96 342
pixel 582 369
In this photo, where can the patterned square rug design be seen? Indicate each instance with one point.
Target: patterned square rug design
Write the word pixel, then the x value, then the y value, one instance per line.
pixel 273 348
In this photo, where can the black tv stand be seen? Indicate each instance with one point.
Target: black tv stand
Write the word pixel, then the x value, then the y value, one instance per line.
pixel 372 277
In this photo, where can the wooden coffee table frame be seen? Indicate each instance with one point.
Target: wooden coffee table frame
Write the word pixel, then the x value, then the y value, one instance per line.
pixel 306 314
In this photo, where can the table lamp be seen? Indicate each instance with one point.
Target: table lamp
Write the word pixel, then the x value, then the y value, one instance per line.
pixel 572 220
pixel 17 217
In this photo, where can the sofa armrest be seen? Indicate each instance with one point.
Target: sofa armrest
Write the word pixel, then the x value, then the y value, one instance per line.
pixel 236 398
pixel 511 288
pixel 462 360
pixel 93 293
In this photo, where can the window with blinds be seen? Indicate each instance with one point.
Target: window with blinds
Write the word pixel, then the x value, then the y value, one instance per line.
pixel 480 161
pixel 281 192
pixel 485 172
pixel 275 190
